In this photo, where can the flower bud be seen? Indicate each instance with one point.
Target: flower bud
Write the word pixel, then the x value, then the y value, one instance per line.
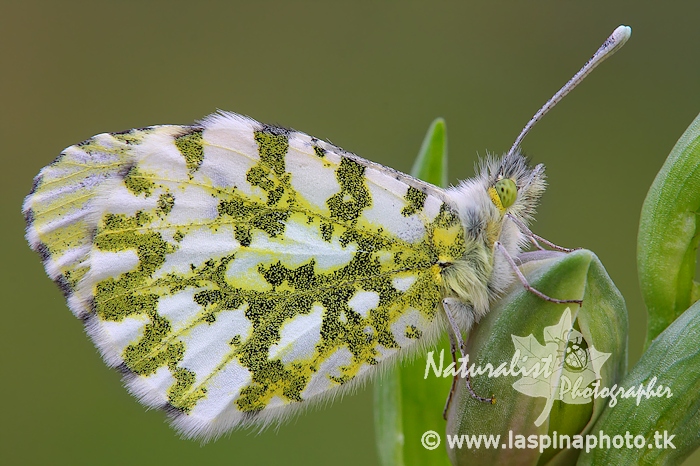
pixel 546 364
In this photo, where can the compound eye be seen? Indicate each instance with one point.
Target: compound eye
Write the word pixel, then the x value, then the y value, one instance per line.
pixel 507 191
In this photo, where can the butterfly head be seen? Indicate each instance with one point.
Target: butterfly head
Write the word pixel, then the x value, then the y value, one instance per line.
pixel 512 185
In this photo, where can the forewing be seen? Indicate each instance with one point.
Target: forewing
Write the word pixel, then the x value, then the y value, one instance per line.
pixel 236 271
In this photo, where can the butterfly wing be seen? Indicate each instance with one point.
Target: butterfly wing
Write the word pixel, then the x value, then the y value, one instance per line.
pixel 235 271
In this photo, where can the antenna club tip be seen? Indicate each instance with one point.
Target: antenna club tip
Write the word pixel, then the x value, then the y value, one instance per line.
pixel 622 33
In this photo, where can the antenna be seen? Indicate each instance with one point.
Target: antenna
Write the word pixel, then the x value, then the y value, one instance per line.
pixel 611 45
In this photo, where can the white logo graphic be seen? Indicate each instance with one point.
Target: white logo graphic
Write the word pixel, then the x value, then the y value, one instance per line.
pixel 561 369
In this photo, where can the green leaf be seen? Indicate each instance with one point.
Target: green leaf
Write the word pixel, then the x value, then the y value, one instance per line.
pixel 406 405
pixel 431 163
pixel 519 320
pixel 673 358
pixel 668 235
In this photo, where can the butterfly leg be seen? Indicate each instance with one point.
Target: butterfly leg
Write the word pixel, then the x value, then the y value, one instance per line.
pixel 535 239
pixel 456 340
pixel 453 387
pixel 524 281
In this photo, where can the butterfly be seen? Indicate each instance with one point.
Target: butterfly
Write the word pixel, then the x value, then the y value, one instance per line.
pixel 236 272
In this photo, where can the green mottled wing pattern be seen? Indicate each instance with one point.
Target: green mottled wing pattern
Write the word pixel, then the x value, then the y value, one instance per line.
pixel 236 271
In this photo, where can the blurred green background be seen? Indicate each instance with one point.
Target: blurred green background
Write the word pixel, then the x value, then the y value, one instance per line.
pixel 369 77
